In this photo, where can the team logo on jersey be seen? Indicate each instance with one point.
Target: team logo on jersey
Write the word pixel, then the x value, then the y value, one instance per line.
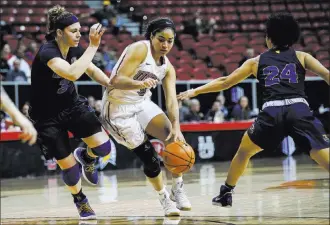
pixel 159 147
pixel 325 138
pixel 73 59
pixel 143 75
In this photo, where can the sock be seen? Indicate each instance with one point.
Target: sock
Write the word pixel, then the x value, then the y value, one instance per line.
pixel 87 158
pixel 229 186
pixel 79 196
pixel 177 182
pixel 162 192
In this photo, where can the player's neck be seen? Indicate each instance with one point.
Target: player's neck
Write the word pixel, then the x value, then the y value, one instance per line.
pixel 157 57
pixel 64 49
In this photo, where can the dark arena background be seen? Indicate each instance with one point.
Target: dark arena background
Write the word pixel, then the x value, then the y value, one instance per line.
pixel 282 185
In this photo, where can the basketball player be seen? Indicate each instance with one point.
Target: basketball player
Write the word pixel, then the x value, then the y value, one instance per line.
pixel 285 111
pixel 56 108
pixel 29 133
pixel 129 113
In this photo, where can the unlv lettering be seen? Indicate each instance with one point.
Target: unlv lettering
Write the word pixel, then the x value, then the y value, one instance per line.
pixel 143 75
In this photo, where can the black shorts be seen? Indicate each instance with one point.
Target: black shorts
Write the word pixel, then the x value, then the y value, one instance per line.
pixel 296 120
pixel 53 136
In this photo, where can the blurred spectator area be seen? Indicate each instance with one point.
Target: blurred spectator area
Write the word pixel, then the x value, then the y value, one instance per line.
pixel 215 50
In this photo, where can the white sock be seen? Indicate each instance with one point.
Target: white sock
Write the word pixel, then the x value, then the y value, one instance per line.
pixel 176 182
pixel 162 192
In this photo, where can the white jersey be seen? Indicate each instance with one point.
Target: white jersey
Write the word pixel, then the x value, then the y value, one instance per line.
pixel 147 69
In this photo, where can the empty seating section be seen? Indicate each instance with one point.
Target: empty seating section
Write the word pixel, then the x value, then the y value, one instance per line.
pixel 240 25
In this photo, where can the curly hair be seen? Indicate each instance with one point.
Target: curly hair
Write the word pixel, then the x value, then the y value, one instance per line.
pixel 158 25
pixel 55 14
pixel 282 29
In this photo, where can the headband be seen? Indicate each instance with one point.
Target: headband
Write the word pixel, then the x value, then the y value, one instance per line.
pixel 162 24
pixel 61 24
pixel 66 21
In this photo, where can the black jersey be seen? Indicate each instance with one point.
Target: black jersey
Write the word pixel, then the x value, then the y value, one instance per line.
pixel 281 75
pixel 51 93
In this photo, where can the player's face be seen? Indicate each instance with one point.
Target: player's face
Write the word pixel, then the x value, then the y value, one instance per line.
pixel 163 41
pixel 72 35
pixel 268 43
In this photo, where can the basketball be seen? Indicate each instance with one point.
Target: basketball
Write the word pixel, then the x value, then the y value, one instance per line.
pixel 178 157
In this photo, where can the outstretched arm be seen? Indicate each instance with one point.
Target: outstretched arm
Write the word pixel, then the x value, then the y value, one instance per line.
pixel 172 106
pixel 28 131
pixel 98 75
pixel 222 83
pixel 75 70
pixel 315 66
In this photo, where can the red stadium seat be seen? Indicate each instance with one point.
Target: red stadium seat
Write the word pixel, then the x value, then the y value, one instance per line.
pixel 244 9
pixel 213 73
pixel 233 57
pixel 219 36
pixel 295 7
pixel 231 67
pixel 312 7
pixel 322 55
pixel 261 8
pixel 248 17
pixel 278 7
pixel 217 59
pixel 222 42
pixel 199 73
pixel 201 52
pixel 183 74
pixel 199 64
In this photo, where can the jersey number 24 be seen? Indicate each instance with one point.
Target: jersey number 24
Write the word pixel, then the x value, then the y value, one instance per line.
pixel 288 73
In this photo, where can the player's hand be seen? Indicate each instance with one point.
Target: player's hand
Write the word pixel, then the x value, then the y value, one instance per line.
pixel 29 133
pixel 149 83
pixel 186 94
pixel 176 135
pixel 95 34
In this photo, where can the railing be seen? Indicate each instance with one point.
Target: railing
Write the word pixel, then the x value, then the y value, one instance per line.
pixel 188 85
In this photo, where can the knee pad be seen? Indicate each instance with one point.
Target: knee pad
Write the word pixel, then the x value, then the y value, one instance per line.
pixel 103 149
pixel 149 158
pixel 71 175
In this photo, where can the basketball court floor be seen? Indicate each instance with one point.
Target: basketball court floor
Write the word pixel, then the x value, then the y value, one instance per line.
pixel 273 191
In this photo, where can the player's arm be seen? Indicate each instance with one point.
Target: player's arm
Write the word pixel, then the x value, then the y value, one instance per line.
pixel 169 86
pixel 28 131
pixel 316 67
pixel 74 71
pixel 97 74
pixel 222 83
pixel 135 55
pixel 77 69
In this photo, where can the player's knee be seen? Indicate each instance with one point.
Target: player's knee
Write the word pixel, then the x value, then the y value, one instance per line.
pixel 103 149
pixel 71 175
pixel 148 156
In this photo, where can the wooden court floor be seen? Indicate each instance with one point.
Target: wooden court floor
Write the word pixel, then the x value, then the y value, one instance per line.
pixel 272 191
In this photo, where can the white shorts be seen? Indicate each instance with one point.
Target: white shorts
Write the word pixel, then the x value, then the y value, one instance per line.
pixel 127 122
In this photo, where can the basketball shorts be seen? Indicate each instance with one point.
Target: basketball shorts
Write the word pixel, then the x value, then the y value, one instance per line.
pixel 296 120
pixel 127 122
pixel 53 138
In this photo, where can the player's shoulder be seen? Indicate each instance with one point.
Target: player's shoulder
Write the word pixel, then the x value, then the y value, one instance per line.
pixel 253 61
pixel 49 47
pixel 301 53
pixel 137 51
pixel 138 46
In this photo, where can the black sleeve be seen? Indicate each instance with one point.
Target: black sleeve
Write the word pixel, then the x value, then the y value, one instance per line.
pixel 76 52
pixel 80 51
pixel 49 53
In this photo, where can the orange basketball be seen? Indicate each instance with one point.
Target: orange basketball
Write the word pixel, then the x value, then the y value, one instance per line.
pixel 178 157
